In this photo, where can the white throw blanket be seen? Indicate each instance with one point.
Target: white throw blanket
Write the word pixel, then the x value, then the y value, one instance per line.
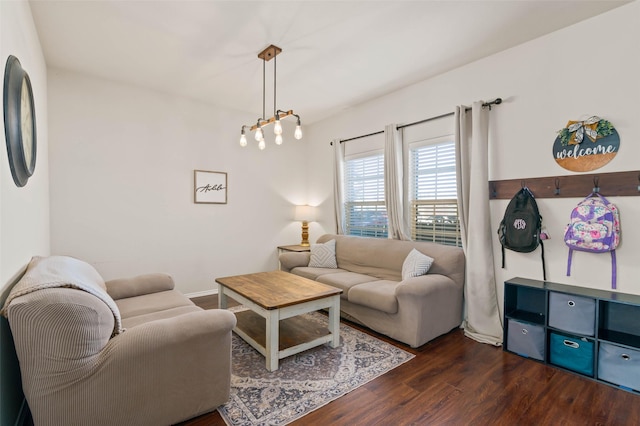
pixel 64 271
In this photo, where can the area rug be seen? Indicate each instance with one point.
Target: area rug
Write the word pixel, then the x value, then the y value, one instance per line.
pixel 306 381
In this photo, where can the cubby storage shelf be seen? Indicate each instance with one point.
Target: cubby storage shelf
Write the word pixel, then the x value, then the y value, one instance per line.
pixel 589 332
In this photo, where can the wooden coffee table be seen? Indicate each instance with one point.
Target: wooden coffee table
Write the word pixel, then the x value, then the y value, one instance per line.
pixel 277 296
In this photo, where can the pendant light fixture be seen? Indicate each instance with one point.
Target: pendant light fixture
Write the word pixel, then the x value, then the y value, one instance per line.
pixel 266 55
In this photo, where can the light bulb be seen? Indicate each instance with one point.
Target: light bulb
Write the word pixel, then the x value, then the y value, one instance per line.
pixel 278 139
pixel 243 140
pixel 277 128
pixel 259 134
pixel 261 144
pixel 298 132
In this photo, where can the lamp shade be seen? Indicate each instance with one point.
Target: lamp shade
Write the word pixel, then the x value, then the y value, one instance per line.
pixel 305 213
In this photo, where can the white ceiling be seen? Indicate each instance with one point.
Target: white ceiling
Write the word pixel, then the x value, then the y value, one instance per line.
pixel 336 54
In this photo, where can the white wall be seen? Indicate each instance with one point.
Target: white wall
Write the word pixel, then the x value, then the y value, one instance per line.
pixel 24 212
pixel 122 162
pixel 590 68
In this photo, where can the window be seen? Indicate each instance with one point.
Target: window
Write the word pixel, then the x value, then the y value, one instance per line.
pixel 433 193
pixel 365 211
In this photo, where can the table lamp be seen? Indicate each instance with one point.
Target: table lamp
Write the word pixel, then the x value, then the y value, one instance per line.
pixel 305 214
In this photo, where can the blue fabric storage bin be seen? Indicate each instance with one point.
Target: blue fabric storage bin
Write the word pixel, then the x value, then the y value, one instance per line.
pixel 571 352
pixel 575 314
pixel 526 339
pixel 618 365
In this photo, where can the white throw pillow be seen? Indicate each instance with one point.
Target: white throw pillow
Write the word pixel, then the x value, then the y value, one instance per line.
pixel 416 264
pixel 323 255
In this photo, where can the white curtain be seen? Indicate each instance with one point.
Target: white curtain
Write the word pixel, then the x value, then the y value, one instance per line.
pixel 482 318
pixel 338 185
pixel 393 178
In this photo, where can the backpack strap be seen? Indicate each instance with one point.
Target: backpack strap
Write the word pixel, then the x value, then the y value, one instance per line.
pixel 614 274
pixel 502 256
pixel 544 270
pixel 569 261
pixel 613 270
pixel 597 194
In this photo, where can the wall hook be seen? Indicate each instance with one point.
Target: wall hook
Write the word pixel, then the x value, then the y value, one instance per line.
pixel 596 188
pixel 523 184
pixel 557 191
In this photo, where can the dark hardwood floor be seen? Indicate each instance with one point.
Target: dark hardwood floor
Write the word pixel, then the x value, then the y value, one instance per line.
pixel 454 380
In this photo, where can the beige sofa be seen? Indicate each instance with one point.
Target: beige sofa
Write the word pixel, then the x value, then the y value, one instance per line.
pixel 125 352
pixel 415 310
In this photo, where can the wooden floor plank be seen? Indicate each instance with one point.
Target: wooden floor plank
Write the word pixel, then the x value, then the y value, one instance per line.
pixel 454 380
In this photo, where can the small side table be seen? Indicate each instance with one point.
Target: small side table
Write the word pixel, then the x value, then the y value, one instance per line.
pixel 295 248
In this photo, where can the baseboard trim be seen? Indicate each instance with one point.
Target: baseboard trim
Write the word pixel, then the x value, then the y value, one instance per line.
pixel 202 293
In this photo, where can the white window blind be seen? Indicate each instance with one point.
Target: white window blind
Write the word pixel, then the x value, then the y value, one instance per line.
pixel 433 193
pixel 365 211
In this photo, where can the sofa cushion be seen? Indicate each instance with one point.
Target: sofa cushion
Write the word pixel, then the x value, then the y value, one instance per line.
pixel 344 281
pixel 314 273
pixel 154 302
pixel 323 255
pixel 131 322
pixel 416 264
pixel 379 295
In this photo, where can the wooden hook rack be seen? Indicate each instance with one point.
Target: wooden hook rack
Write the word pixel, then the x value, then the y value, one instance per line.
pixel 609 184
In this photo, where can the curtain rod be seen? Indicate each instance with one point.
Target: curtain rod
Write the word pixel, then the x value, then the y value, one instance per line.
pixel 496 101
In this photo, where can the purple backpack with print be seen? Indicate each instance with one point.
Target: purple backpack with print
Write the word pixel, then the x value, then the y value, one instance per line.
pixel 595 228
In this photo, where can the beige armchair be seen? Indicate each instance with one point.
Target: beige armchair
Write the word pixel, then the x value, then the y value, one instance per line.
pixel 172 361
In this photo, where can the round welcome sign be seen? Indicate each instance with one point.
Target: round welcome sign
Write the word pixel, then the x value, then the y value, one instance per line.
pixel 586 145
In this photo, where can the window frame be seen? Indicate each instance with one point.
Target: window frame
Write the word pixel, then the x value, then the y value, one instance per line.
pixel 447 229
pixel 354 208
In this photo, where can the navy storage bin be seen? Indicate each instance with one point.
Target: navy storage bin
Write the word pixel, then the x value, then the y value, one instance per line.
pixel 575 314
pixel 618 365
pixel 526 339
pixel 572 353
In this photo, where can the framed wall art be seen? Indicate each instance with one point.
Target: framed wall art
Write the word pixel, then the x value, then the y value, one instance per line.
pixel 209 187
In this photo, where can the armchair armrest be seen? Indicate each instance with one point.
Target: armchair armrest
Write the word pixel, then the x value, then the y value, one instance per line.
pixel 137 286
pixel 290 260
